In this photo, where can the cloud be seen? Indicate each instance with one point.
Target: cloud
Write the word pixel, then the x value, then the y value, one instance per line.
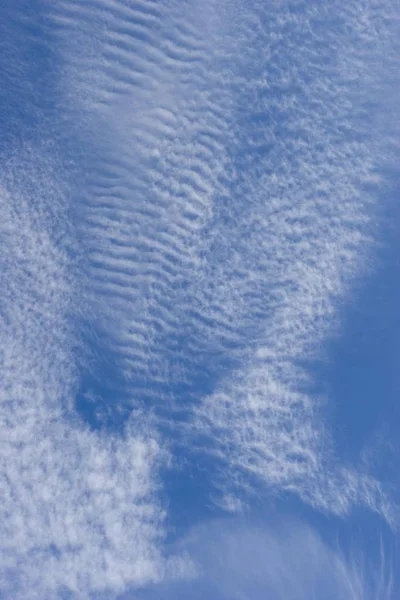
pixel 79 511
pixel 227 165
pixel 287 560
pixel 139 82
pixel 308 171
pixel 228 206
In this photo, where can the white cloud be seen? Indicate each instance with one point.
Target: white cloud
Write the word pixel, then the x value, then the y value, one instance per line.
pixel 312 150
pixel 286 560
pixel 229 202
pixel 140 83
pixel 227 156
pixel 78 508
pixel 229 206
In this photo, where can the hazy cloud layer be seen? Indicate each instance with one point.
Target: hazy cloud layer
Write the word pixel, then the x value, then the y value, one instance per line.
pixel 284 560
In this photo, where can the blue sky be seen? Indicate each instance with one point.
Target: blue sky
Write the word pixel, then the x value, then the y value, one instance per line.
pixel 199 326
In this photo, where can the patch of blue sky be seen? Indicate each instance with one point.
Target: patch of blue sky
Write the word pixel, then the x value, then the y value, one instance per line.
pixel 360 370
pixel 29 67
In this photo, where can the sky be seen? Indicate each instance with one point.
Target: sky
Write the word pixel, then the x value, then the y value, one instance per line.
pixel 199 332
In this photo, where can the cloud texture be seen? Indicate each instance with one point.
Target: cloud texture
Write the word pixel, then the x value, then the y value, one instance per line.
pixel 228 160
pixel 78 508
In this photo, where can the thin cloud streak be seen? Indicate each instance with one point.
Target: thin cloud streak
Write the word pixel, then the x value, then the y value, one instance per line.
pixel 287 560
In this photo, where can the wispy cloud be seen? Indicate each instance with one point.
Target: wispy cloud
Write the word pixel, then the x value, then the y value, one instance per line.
pixel 288 560
pixel 141 80
pixel 228 169
pixel 229 205
pixel 78 509
pixel 307 181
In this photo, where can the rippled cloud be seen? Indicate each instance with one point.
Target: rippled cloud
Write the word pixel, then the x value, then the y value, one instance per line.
pixel 178 255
